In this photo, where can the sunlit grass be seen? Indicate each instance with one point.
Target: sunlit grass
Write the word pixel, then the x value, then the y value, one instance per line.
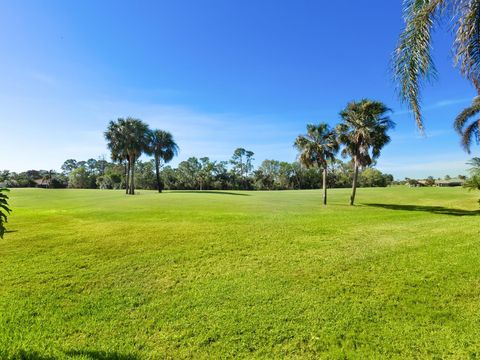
pixel 93 274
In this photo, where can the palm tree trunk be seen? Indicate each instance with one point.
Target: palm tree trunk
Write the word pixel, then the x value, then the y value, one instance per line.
pixel 324 186
pixel 354 185
pixel 127 175
pixel 157 173
pixel 132 179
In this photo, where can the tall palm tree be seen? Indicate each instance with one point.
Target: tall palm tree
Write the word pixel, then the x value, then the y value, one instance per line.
pixel 363 133
pixel 470 132
pixel 412 61
pixel 127 140
pixel 317 147
pixel 163 148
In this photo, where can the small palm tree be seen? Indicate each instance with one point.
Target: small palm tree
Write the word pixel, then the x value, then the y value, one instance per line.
pixel 163 148
pixel 363 133
pixel 4 211
pixel 473 182
pixel 471 132
pixel 317 147
pixel 47 179
pixel 413 62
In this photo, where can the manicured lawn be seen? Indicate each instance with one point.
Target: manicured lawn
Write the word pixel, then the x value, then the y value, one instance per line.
pixel 91 274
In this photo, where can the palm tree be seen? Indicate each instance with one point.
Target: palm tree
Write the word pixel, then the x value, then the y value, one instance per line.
pixel 363 133
pixel 316 147
pixel 473 181
pixel 47 179
pixel 127 140
pixel 116 136
pixel 163 148
pixel 471 132
pixel 412 61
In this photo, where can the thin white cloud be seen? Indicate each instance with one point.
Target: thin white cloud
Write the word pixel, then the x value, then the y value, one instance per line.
pixel 44 78
pixel 79 134
pixel 437 105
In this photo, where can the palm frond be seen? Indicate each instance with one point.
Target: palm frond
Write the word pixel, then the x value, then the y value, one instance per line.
pixel 471 133
pixel 412 61
pixel 466 115
pixel 467 40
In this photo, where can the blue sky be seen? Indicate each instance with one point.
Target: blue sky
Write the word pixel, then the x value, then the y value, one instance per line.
pixel 217 74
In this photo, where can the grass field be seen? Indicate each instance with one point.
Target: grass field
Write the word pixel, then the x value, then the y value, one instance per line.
pixel 91 274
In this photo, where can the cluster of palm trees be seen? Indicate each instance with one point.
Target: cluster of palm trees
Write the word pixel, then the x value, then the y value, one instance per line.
pixel 361 135
pixel 129 138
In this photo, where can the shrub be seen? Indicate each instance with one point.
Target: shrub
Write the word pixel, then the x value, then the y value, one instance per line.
pixel 4 210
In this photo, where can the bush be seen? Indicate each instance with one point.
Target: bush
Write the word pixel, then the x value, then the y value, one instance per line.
pixel 4 211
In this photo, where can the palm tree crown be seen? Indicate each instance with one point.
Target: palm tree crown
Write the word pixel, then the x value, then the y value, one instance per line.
pixel 115 140
pixel 136 140
pixel 317 146
pixel 363 131
pixel 162 145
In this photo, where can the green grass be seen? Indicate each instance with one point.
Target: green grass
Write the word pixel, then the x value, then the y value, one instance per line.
pixel 91 274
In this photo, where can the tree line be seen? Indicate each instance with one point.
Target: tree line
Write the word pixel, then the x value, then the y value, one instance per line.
pixel 197 174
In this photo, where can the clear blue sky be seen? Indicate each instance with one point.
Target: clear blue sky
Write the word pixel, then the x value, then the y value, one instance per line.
pixel 217 74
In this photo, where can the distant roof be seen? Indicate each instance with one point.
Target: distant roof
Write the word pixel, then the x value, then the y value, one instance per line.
pixel 451 181
pixel 41 181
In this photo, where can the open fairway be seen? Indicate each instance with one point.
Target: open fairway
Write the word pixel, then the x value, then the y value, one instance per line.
pixel 91 274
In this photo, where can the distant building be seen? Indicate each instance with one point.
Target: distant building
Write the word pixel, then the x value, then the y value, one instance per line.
pixel 42 183
pixel 449 183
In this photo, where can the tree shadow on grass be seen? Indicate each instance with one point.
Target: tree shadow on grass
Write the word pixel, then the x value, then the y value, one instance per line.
pixel 431 209
pixel 25 355
pixel 207 192
pixel 84 354
pixel 102 355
